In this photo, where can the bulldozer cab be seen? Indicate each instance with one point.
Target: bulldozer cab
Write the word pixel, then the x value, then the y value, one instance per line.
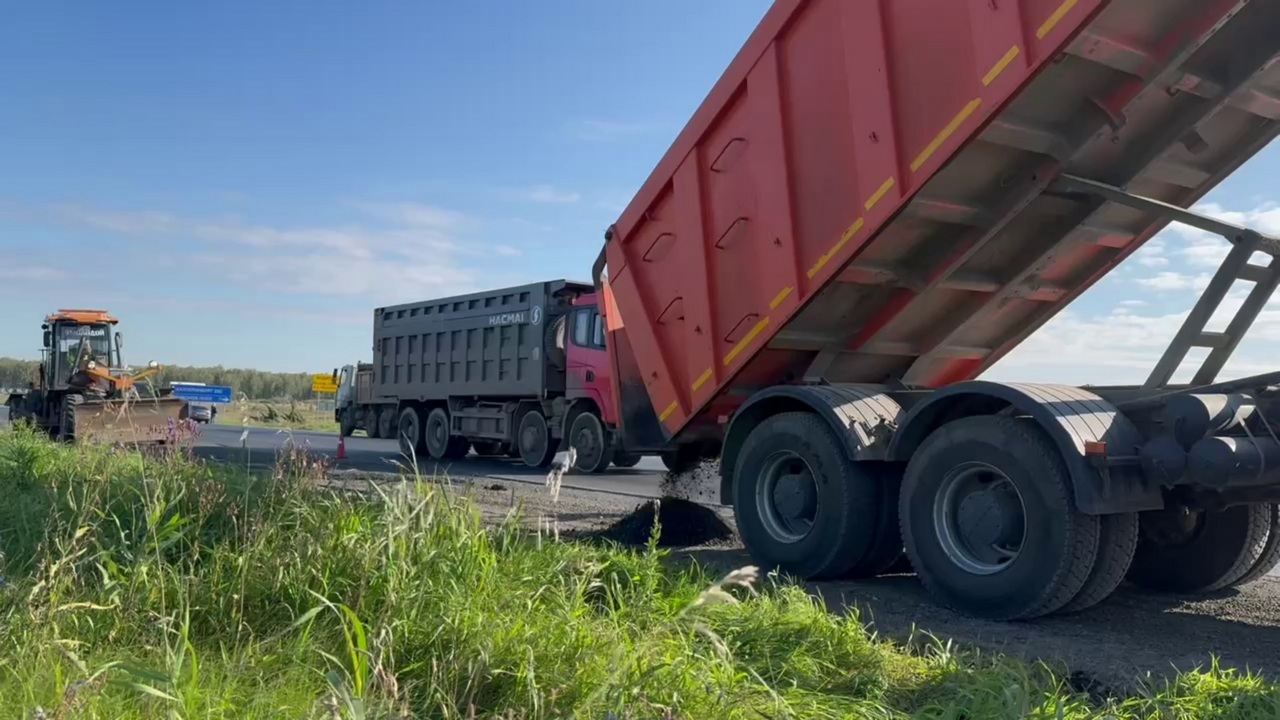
pixel 72 342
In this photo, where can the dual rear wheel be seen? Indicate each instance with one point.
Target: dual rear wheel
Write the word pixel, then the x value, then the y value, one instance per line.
pixel 986 516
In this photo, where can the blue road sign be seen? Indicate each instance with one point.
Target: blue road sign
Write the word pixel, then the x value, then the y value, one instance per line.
pixel 212 394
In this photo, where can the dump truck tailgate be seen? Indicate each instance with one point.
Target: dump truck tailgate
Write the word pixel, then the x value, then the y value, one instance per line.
pixel 873 189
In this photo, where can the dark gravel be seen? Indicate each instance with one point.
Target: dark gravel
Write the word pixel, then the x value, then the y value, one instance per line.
pixel 681 524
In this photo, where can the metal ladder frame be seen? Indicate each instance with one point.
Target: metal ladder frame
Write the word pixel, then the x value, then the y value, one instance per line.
pixel 1235 266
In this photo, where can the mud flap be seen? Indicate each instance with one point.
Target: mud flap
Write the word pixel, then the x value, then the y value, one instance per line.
pixel 151 420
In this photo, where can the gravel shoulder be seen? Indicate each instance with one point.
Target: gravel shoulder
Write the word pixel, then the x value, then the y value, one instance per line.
pixel 1132 635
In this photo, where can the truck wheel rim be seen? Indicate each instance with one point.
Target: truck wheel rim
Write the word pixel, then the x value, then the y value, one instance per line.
pixel 588 447
pixel 437 434
pixel 787 497
pixel 980 518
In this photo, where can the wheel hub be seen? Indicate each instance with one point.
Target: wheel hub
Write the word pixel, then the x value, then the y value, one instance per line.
pixel 980 518
pixel 787 497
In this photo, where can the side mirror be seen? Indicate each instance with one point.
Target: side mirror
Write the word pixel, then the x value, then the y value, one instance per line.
pixel 335 376
pixel 48 338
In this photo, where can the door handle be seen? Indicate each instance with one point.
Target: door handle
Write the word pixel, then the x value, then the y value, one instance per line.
pixel 590 376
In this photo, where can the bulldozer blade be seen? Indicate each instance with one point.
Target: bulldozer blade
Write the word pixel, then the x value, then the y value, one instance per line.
pixel 152 420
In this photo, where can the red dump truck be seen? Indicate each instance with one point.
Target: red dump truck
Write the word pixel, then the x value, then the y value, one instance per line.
pixel 877 201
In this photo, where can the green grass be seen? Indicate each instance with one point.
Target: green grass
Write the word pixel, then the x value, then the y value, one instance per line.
pixel 148 588
pixel 275 414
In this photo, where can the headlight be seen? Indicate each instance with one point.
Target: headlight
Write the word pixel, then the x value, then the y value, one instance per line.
pixel 153 364
pixel 91 365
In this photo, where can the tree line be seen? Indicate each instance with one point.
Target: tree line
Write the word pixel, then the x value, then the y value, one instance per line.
pixel 253 384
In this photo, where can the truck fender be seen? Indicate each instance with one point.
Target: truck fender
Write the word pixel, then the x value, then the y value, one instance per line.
pixel 1070 416
pixel 861 416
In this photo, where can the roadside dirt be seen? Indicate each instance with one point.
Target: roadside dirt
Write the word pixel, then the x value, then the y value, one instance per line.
pixel 1114 645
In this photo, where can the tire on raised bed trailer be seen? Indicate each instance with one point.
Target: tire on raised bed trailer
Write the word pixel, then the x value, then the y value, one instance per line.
pixel 886 549
pixel 1270 556
pixel 801 505
pixel 1117 541
pixel 1199 551
pixel 989 520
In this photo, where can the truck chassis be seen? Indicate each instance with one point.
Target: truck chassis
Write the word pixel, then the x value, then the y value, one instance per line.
pixel 1176 488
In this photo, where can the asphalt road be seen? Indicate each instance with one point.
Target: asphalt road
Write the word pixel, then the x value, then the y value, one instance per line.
pixel 260 447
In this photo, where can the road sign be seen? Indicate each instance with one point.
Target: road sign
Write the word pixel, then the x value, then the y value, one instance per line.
pixel 325 406
pixel 212 394
pixel 323 384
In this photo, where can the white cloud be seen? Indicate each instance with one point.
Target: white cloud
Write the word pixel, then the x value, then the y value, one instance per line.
pixel 597 130
pixel 1122 344
pixel 410 251
pixel 30 273
pixel 1152 254
pixel 1169 281
pixel 549 194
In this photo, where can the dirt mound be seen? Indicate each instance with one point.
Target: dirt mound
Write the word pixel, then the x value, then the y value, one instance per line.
pixel 682 524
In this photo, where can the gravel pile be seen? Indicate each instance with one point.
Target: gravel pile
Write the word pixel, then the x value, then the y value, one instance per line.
pixel 681 524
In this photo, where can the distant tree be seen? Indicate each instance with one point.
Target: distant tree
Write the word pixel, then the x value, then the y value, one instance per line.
pixel 254 384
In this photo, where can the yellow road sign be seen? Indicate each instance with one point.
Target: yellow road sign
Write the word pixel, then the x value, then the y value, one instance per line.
pixel 323 384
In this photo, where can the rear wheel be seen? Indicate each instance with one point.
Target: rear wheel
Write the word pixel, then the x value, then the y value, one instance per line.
pixel 441 445
pixel 593 446
pixel 1270 556
pixel 886 548
pixel 410 434
pixel 626 460
pixel 989 522
pixel 387 423
pixel 801 505
pixel 1117 541
pixel 372 416
pixel 1198 551
pixel 534 440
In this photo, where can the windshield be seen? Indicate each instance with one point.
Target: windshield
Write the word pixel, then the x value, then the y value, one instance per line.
pixel 68 339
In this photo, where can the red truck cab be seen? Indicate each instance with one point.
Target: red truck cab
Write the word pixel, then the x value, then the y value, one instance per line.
pixel 589 388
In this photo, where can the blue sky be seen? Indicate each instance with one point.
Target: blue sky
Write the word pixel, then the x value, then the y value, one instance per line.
pixel 270 172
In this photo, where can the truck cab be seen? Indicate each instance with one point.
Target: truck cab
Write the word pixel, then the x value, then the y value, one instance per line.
pixel 593 414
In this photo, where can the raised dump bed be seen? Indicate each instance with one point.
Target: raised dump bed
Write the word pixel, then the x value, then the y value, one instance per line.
pixel 876 202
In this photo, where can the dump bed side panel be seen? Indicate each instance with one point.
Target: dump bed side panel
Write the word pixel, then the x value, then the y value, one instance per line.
pixel 867 193
pixel 832 113
pixel 490 344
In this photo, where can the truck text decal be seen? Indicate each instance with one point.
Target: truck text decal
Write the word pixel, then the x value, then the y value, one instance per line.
pixel 515 318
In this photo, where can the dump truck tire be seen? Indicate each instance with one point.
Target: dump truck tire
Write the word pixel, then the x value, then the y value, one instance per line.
pixel 346 422
pixel 626 460
pixel 1270 557
pixel 488 448
pixel 372 418
pixel 387 423
pixel 594 446
pixel 1117 541
pixel 989 522
pixel 409 433
pixel 802 506
pixel 439 441
pixel 886 548
pixel 67 421
pixel 534 440
pixel 1199 551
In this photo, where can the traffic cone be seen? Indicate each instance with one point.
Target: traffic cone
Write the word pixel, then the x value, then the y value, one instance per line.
pixel 342 448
